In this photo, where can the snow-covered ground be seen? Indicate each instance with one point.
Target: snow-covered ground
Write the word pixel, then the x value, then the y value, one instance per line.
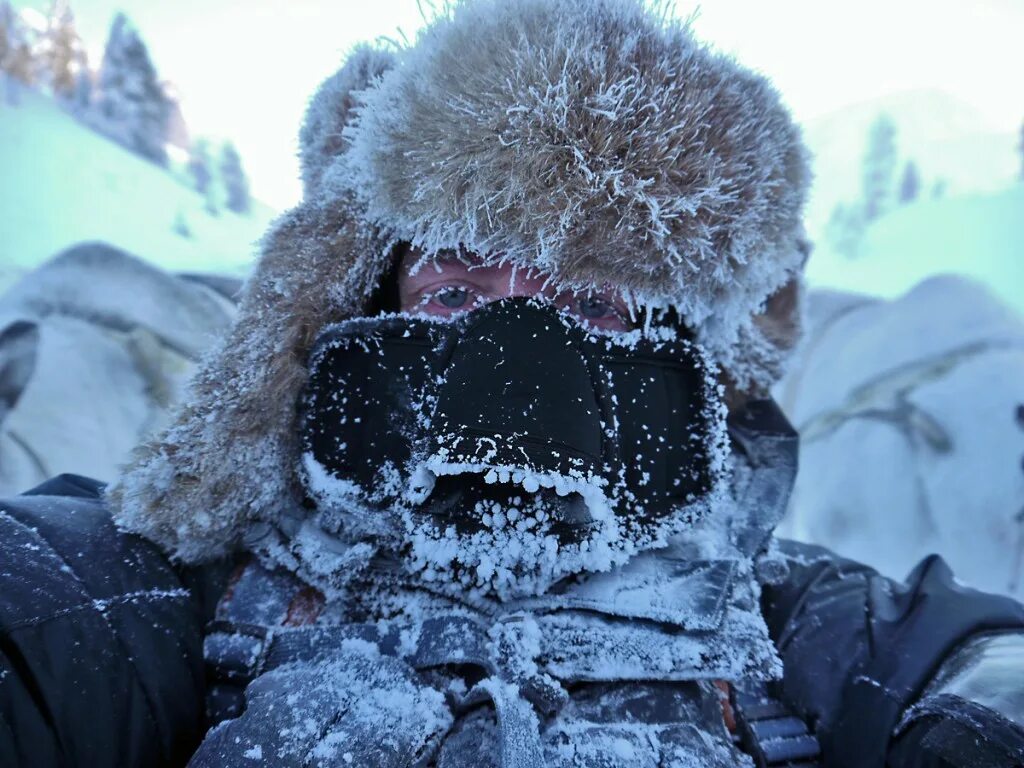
pixel 63 184
pixel 980 235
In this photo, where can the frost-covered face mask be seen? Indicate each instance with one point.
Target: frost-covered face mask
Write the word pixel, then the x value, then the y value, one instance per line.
pixel 513 445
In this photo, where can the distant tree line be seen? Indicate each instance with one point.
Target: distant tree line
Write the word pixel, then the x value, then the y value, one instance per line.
pixel 885 185
pixel 222 183
pixel 124 99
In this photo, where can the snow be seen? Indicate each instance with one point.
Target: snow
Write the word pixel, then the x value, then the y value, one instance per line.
pixel 353 703
pixel 66 184
pixel 909 436
pixel 975 228
pixel 946 137
pixel 979 235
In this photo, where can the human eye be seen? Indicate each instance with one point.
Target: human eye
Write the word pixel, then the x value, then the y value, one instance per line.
pixel 600 311
pixel 447 298
pixel 593 308
pixel 451 296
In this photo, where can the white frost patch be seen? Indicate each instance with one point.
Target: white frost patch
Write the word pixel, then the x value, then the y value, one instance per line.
pixel 254 753
pixel 590 487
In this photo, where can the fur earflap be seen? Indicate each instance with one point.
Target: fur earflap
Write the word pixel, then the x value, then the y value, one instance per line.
pixel 229 458
pixel 592 139
pixel 321 139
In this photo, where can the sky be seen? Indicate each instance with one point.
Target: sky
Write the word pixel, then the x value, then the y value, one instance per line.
pixel 246 68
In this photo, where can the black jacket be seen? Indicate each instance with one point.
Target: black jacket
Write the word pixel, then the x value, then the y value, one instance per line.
pixel 101 659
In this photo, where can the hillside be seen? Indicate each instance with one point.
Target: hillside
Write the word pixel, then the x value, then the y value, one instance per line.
pixel 66 184
pixel 980 235
pixel 947 139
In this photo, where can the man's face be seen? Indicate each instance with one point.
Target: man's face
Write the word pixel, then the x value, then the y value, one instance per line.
pixel 448 285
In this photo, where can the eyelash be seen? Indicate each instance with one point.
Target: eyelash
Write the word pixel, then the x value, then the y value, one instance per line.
pixel 474 297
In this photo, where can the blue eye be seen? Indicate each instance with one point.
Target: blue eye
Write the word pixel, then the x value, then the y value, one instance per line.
pixel 593 308
pixel 452 297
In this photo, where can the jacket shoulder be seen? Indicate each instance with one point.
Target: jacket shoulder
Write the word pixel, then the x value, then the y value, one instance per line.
pixel 101 639
pixel 859 648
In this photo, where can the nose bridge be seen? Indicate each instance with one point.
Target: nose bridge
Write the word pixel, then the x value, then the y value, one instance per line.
pixel 522 283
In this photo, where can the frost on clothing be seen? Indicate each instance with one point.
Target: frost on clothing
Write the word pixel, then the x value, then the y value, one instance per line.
pixel 557 680
pixel 511 447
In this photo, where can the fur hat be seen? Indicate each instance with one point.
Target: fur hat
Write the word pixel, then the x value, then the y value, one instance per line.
pixel 592 139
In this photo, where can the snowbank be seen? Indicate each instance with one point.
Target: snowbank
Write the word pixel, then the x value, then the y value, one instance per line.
pixel 65 184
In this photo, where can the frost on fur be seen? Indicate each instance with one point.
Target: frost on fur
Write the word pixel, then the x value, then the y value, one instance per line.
pixel 592 139
pixel 595 141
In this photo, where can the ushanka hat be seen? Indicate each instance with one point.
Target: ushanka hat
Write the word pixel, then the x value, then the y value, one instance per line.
pixel 596 140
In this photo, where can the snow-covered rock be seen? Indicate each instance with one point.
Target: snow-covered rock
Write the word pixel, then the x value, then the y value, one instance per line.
pixel 94 345
pixel 911 440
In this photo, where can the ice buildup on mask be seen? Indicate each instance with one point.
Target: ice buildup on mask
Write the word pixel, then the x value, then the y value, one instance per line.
pixel 512 446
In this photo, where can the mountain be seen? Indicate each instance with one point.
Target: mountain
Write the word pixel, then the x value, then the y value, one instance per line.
pixel 65 184
pixel 948 139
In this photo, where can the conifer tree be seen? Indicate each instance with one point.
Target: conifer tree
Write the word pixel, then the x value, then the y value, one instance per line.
pixel 131 106
pixel 236 185
pixel 17 63
pixel 199 165
pixel 6 30
pixel 845 230
pixel 910 183
pixel 81 98
pixel 62 53
pixel 879 168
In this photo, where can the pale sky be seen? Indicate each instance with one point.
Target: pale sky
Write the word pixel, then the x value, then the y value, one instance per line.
pixel 245 68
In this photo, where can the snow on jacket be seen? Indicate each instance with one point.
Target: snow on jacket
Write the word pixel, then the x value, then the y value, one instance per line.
pixel 102 665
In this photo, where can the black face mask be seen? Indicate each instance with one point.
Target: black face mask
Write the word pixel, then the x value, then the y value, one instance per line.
pixel 515 417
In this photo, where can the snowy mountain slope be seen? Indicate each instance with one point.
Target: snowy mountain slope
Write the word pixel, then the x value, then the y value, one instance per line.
pixel 947 139
pixel 980 235
pixel 910 442
pixel 63 184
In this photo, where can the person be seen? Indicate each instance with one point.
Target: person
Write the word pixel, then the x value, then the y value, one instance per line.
pixel 486 472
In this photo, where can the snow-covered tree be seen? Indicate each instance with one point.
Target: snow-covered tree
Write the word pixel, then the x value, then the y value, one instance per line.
pixel 879 168
pixel 17 62
pixel 910 183
pixel 199 165
pixel 62 55
pixel 6 30
pixel 81 98
pixel 236 184
pixel 131 106
pixel 845 230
